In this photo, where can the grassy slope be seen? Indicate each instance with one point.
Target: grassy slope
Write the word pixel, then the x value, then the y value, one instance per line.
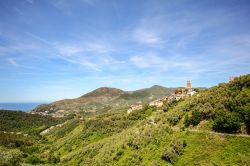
pixel 144 143
pixel 209 149
pixel 140 143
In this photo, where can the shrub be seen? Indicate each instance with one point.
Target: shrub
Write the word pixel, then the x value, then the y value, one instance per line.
pixel 32 159
pixel 118 154
pixel 10 156
pixel 194 119
pixel 227 122
pixel 176 148
pixel 169 155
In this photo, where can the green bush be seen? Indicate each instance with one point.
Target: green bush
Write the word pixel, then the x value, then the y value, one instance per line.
pixel 226 105
pixel 194 119
pixel 169 155
pixel 176 148
pixel 10 156
pixel 227 122
pixel 33 159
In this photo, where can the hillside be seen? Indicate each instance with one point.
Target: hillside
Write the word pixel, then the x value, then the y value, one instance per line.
pixel 175 137
pixel 19 129
pixel 190 131
pixel 146 95
pixel 223 108
pixel 104 99
pixel 17 121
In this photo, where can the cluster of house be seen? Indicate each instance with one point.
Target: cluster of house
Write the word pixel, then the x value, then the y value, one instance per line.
pixel 179 94
pixel 134 107
pixel 58 114
pixel 44 113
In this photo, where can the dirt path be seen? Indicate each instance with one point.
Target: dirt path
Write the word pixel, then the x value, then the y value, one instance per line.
pixel 176 128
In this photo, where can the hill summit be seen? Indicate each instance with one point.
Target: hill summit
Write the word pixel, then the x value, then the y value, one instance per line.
pixel 102 99
pixel 104 91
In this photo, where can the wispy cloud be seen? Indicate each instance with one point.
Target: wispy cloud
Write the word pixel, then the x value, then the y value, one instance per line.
pixel 68 50
pixel 12 62
pixel 17 10
pixel 147 61
pixel 146 37
pixel 29 1
pixel 67 7
pixel 94 55
pixel 90 2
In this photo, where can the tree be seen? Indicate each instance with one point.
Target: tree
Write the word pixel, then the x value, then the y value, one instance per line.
pixel 227 122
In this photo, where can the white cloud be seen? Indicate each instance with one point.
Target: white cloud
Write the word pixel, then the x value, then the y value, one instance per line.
pixel 68 50
pixel 97 47
pixel 146 37
pixel 146 61
pixel 162 64
pixel 12 61
pixel 94 55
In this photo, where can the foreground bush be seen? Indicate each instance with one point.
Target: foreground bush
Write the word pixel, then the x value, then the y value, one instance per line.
pixel 176 148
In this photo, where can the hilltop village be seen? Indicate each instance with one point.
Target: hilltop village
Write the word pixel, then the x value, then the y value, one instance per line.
pixel 180 93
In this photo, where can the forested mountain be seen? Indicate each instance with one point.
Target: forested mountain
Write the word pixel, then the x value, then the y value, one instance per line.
pixel 191 131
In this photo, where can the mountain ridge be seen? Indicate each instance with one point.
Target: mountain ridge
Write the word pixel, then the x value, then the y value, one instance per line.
pixel 105 97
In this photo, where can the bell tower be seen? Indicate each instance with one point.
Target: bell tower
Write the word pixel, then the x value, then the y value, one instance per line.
pixel 188 85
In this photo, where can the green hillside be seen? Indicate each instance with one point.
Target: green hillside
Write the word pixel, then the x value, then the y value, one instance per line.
pixel 223 108
pixel 17 121
pixel 209 128
pixel 146 95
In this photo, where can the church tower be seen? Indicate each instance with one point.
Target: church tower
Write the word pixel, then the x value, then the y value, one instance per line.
pixel 188 85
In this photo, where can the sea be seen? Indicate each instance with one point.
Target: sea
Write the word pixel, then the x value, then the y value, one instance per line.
pixel 25 107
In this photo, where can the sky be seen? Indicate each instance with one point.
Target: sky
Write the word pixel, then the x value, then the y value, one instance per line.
pixel 56 49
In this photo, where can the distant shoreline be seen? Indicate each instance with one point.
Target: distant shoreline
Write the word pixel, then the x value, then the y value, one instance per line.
pixel 25 107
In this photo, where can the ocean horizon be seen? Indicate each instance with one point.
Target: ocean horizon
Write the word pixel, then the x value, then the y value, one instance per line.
pixel 25 107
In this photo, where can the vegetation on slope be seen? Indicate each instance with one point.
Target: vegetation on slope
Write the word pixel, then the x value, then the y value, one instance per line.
pixel 94 128
pixel 146 95
pixel 226 107
pixel 20 136
pixel 33 124
pixel 173 135
pixel 152 141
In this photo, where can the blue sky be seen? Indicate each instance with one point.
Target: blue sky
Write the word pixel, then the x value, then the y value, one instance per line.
pixel 55 49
